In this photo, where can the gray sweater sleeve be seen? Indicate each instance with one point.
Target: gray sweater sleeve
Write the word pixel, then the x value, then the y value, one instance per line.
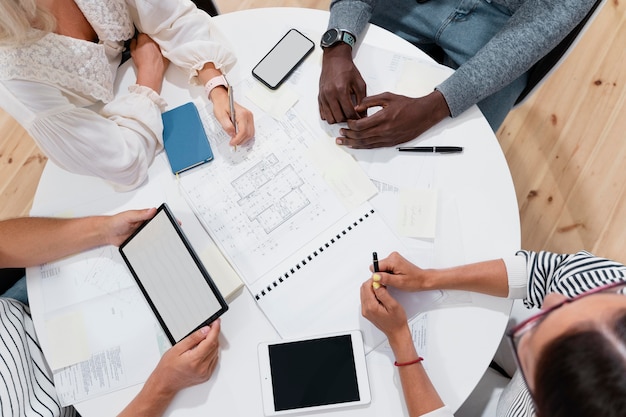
pixel 533 30
pixel 350 15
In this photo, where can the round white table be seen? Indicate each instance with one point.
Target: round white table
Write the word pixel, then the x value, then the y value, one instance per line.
pixel 479 220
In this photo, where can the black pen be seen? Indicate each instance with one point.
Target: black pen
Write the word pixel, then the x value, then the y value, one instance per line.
pixel 431 149
pixel 375 258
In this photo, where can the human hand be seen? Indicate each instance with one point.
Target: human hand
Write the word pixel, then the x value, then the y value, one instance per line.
pixel 150 63
pixel 341 86
pixel 399 120
pixel 119 227
pixel 189 362
pixel 243 117
pixel 398 272
pixel 379 307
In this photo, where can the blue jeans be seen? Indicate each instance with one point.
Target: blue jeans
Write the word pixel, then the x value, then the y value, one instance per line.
pixel 17 291
pixel 452 31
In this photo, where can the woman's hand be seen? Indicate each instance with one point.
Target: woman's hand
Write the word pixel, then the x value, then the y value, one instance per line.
pixel 399 273
pixel 379 307
pixel 150 63
pixel 243 117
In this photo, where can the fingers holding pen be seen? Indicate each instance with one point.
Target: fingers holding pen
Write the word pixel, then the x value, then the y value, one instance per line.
pixel 379 307
pixel 396 271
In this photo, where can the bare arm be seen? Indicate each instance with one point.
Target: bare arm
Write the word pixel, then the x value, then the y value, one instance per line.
pixel 387 314
pixel 244 119
pixel 32 241
pixel 488 277
pixel 191 361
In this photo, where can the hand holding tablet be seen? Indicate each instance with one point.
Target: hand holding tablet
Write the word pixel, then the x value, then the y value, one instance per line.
pixel 176 285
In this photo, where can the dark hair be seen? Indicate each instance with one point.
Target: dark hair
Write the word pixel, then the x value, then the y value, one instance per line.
pixel 583 374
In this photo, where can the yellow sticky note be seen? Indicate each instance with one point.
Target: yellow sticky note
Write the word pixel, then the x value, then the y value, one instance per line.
pixel 59 330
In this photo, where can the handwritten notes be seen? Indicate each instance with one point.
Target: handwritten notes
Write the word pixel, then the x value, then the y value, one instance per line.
pixel 417 213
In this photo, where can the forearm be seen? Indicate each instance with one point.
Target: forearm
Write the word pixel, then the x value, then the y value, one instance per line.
pixel 489 277
pixel 152 401
pixel 187 36
pixel 33 240
pixel 534 29
pixel 420 395
pixel 207 72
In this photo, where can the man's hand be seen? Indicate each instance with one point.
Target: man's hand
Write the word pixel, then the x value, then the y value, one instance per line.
pixel 341 85
pixel 191 361
pixel 119 227
pixel 399 120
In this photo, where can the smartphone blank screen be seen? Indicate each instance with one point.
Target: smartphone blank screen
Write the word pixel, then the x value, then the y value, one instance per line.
pixel 166 269
pixel 283 58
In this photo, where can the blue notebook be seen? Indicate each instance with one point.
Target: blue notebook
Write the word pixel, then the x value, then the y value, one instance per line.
pixel 184 138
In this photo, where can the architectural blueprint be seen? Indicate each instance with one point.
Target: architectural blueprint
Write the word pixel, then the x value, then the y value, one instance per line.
pixel 265 200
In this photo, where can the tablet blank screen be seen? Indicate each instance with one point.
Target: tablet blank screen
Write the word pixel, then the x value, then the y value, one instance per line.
pixel 313 372
pixel 170 276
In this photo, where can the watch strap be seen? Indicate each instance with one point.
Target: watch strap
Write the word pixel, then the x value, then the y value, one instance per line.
pixel 347 37
pixel 218 81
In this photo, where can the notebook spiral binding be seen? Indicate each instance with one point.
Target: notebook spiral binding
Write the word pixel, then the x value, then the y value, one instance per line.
pixel 311 257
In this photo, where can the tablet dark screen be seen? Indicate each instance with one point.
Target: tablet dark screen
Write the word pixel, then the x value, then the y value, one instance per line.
pixel 313 372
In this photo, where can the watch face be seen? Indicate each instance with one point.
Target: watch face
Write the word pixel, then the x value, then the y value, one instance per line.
pixel 330 37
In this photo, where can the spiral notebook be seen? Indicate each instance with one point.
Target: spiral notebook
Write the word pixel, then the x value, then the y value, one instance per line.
pixel 317 290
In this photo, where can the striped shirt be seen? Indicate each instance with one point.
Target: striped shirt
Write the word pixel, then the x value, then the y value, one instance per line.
pixel 570 275
pixel 26 385
pixel 533 275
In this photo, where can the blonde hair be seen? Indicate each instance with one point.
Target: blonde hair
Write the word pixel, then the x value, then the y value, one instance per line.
pixel 19 17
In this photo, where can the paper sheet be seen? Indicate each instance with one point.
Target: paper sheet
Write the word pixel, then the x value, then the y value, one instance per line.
pixel 417 213
pixel 269 198
pixel 275 103
pixel 341 172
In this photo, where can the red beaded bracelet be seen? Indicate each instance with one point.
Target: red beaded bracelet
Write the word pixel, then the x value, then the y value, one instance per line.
pixel 418 360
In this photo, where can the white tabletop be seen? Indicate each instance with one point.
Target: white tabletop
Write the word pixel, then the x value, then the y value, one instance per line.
pixel 479 220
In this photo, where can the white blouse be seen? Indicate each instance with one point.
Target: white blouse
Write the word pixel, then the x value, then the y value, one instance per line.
pixel 60 89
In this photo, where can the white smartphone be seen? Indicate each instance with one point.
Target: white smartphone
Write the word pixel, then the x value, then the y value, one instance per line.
pixel 283 59
pixel 313 374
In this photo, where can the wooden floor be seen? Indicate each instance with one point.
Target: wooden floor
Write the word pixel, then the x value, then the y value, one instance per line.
pixel 566 145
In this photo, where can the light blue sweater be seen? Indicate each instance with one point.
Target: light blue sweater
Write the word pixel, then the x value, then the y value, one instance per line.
pixel 534 29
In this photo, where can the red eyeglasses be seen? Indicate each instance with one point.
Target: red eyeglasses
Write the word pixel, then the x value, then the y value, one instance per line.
pixel 517 333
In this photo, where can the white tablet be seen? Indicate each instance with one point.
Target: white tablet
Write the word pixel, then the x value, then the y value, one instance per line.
pixel 313 374
pixel 170 275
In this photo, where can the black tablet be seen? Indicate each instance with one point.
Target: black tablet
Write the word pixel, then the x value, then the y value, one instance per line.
pixel 170 275
pixel 313 373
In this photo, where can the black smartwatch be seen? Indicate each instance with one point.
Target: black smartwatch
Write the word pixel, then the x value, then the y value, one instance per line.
pixel 334 36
